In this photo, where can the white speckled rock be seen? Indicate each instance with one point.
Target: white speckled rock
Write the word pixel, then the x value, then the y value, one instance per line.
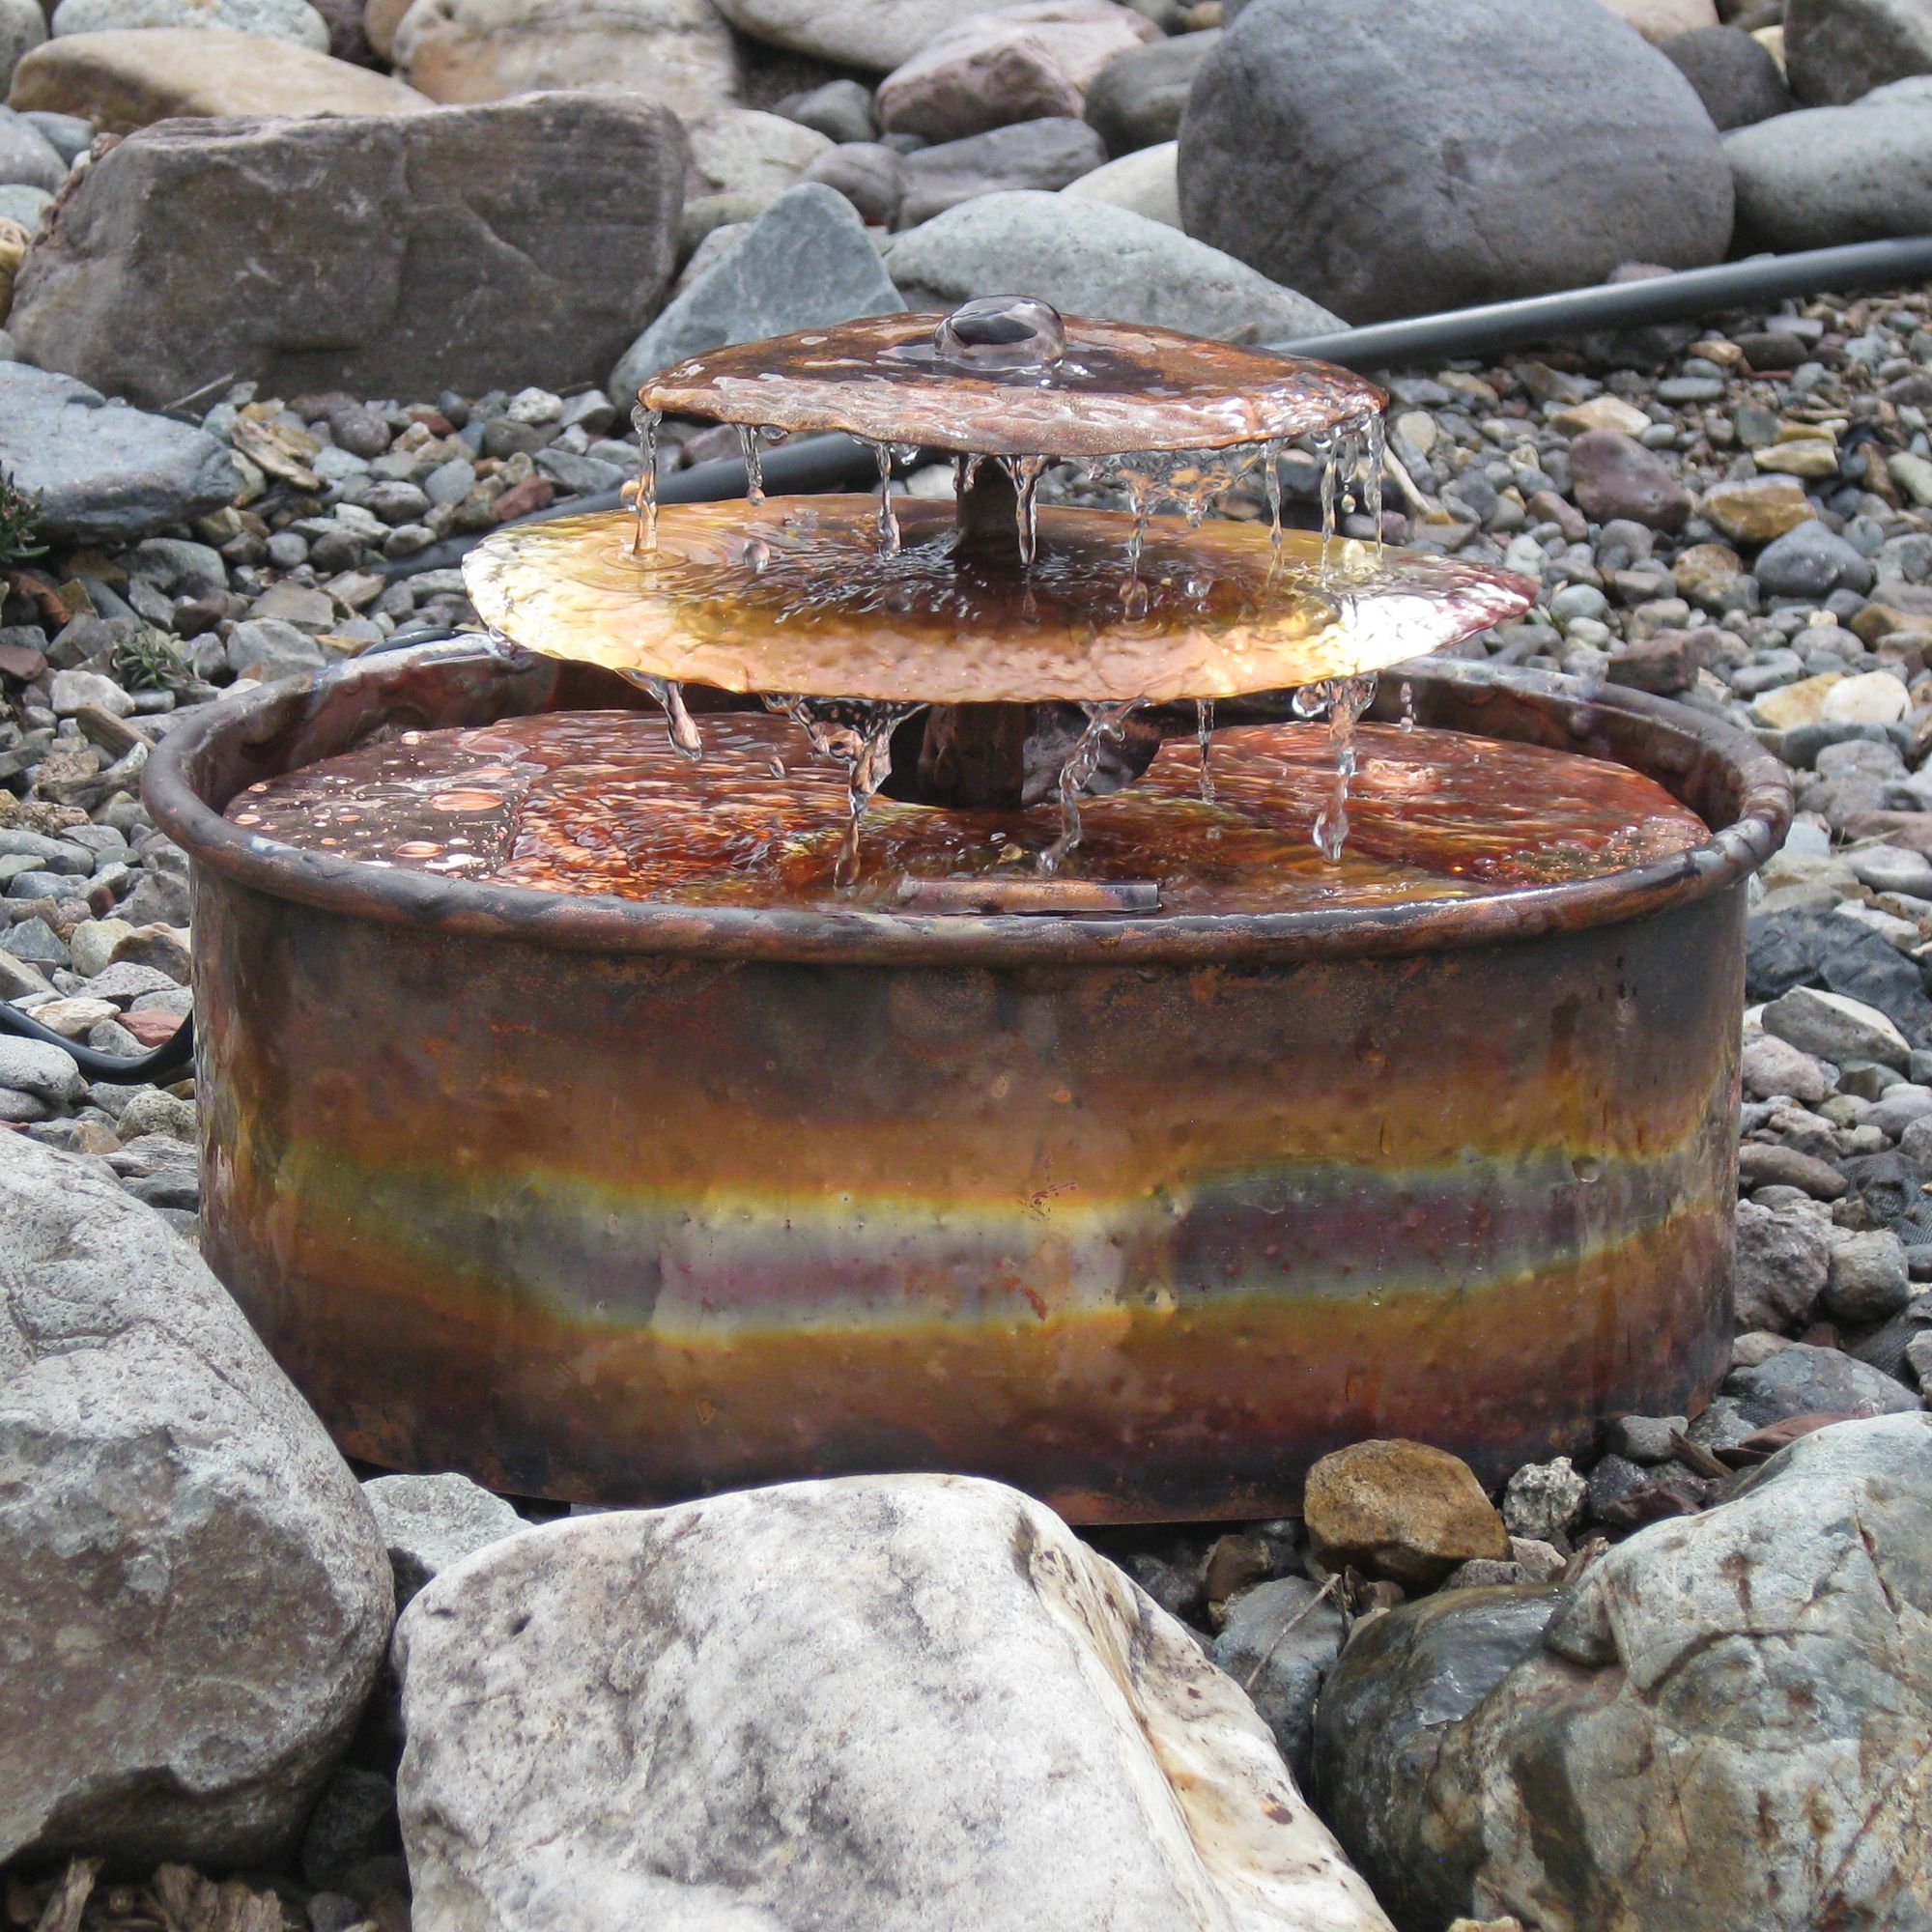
pixel 905 1704
pixel 193 1598
pixel 292 20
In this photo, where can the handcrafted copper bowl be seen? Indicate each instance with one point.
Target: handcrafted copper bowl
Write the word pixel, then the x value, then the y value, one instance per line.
pixel 621 1203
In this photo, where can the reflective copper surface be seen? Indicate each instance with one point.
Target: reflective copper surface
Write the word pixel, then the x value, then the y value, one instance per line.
pixel 1116 388
pixel 798 596
pixel 620 1200
pixel 601 803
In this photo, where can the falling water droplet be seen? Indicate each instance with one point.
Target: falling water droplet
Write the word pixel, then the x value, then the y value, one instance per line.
pixel 755 468
pixel 678 722
pixel 1003 333
pixel 1348 699
pixel 645 536
pixel 1134 600
pixel 1026 473
pixel 756 556
pixel 1271 484
pixel 1407 706
pixel 889 517
pixel 1204 737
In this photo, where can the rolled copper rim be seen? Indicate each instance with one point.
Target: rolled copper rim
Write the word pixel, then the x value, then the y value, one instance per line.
pixel 1737 787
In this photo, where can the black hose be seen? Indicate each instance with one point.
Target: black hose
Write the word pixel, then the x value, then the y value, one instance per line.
pixel 143 1069
pixel 830 462
pixel 1678 297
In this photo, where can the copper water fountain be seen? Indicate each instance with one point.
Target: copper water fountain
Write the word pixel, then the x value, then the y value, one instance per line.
pixel 943 1047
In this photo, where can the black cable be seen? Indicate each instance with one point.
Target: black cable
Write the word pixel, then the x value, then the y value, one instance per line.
pixel 145 1070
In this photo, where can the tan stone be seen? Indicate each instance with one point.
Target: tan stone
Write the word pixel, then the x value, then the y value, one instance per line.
pixel 1402 1510
pixel 1703 565
pixel 1799 703
pixel 1601 412
pixel 1756 510
pixel 125 80
pixel 380 21
pixel 1661 19
pixel 1771 40
pixel 13 243
pixel 676 52
pixel 1813 457
pixel 1912 474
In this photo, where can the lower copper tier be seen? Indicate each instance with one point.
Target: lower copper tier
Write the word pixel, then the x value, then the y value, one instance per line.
pixel 600 802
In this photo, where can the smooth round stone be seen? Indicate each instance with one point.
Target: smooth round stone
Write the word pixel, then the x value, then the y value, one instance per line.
pixel 1892 869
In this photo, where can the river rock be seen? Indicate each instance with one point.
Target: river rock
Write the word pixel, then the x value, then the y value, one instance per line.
pixel 1399 1509
pixel 101 472
pixel 1805 1379
pixel 1626 165
pixel 1835 1028
pixel 292 20
pixel 1811 562
pixel 915 1703
pixel 1871 1279
pixel 1278 1643
pixel 1614 475
pixel 1137 98
pixel 1088 257
pixel 675 52
pixel 868 174
pixel 1142 182
pixel 873 35
pixel 1736 80
pixel 805 263
pixel 194 1600
pixel 1029 155
pixel 125 80
pixel 1757 508
pixel 841 111
pixel 1026 63
pixel 1833 174
pixel 26 157
pixel 1838 51
pixel 23 26
pixel 745 151
pixel 392 256
pixel 1723 1728
pixel 429 1522
pixel 1397 1699
pixel 1782 1261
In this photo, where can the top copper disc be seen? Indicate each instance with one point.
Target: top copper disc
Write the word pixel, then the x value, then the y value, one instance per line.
pixel 798 596
pixel 1113 390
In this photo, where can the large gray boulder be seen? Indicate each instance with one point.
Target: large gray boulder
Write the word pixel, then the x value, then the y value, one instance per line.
pixel 193 1598
pixel 905 1704
pixel 1390 160
pixel 1833 174
pixel 1838 51
pixel 102 473
pixel 1724 1728
pixel 1090 258
pixel 805 263
pixel 394 255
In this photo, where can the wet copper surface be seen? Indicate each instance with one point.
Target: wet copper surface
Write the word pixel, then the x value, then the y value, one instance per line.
pixel 1145 1242
pixel 601 803
pixel 1117 388
pixel 798 596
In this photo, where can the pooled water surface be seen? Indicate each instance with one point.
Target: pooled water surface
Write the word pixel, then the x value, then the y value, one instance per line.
pixel 603 803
